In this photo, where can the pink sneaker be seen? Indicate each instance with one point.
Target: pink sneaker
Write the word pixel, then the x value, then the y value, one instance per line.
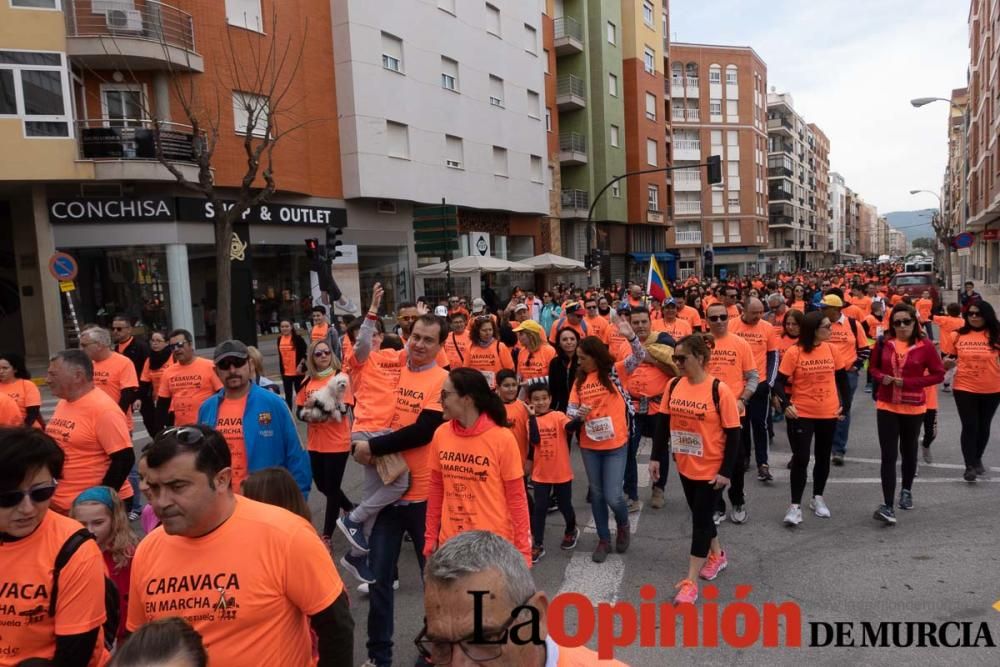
pixel 713 566
pixel 687 592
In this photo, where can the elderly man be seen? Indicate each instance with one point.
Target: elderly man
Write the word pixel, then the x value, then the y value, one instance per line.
pixel 763 342
pixel 776 309
pixel 114 373
pixel 456 574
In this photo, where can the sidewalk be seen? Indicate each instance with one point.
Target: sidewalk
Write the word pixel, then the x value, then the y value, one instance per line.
pixel 990 293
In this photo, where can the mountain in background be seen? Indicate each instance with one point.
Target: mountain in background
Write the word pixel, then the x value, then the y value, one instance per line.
pixel 915 224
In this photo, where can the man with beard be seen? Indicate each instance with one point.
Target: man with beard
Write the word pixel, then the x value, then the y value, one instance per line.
pixel 185 385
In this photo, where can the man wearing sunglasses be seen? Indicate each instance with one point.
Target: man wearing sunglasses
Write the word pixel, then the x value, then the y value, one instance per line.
pixel 255 422
pixel 136 349
pixel 851 351
pixel 185 384
pixel 31 464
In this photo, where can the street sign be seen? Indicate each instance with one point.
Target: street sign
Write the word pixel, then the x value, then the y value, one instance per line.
pixel 991 234
pixel 964 240
pixel 66 286
pixel 63 266
pixel 964 252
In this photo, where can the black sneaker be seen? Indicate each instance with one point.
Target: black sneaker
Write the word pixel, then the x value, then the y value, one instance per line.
pixel 536 554
pixel 358 566
pixel 905 500
pixel 569 540
pixel 970 474
pixel 980 469
pixel 764 473
pixel 838 459
pixel 885 514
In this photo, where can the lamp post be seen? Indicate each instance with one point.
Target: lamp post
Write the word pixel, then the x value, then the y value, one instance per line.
pixel 943 238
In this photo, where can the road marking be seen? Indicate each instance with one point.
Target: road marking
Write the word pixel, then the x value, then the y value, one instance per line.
pixel 918 481
pixel 946 466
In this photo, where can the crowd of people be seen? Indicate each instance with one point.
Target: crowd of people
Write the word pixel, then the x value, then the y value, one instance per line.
pixel 464 422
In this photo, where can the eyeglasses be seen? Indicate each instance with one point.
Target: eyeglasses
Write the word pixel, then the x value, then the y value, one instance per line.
pixel 445 394
pixel 902 323
pixel 680 358
pixel 592 306
pixel 439 651
pixel 322 353
pixel 718 318
pixel 230 362
pixel 37 495
pixel 118 328
pixel 186 435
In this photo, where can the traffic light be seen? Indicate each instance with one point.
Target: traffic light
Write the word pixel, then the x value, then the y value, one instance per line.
pixel 333 242
pixel 588 261
pixel 714 165
pixel 312 248
pixel 598 256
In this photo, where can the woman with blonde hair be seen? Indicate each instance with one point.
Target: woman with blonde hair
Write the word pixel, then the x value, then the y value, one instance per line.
pixel 257 373
pixel 534 355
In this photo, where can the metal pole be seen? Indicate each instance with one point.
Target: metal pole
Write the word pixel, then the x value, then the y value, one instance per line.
pixel 447 251
pixel 72 315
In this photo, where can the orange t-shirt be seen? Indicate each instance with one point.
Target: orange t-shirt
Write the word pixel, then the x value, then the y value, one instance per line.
pixel 286 352
pixel 474 471
pixel 618 345
pixel 606 426
pixel 900 348
pixel 691 315
pixel 489 360
pixel 187 387
pixel 230 424
pixel 24 393
pixel 374 386
pixel 846 338
pixel 813 374
pixel 875 328
pixel 948 325
pixel 978 364
pixel 319 331
pixel 864 303
pixel 89 430
pixel 597 326
pixel 10 413
pixel 799 306
pixel 517 415
pixel 531 365
pixel 26 583
pixel 153 377
pixel 114 374
pixel 761 337
pixel 697 429
pixel 782 343
pixel 564 323
pixel 248 587
pixel 646 381
pixel 331 436
pixel 551 459
pixel 456 346
pixel 924 307
pixel 855 312
pixel 416 392
pixel 678 329
pixel 731 358
pixel 895 298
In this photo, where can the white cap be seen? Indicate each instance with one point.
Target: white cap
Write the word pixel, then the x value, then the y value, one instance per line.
pixel 441 311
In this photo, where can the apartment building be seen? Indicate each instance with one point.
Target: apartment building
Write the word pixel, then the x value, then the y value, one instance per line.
pixel 95 86
pixel 821 171
pixel 718 102
pixel 867 230
pixel 953 195
pixel 898 244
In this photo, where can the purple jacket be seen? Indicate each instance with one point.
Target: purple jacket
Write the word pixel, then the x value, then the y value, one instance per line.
pixel 921 368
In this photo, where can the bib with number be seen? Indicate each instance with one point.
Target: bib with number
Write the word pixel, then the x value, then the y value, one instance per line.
pixel 600 430
pixel 687 442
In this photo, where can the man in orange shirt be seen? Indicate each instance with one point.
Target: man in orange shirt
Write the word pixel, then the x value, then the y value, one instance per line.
pixel 185 384
pixel 762 339
pixel 320 325
pixel 572 317
pixel 850 346
pixel 670 323
pixel 731 299
pixel 90 429
pixel 690 313
pixel 250 578
pixel 924 306
pixel 596 325
pixel 114 373
pixel 136 349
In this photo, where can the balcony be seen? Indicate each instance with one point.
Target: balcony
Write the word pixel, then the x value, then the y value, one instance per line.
pixel 675 88
pixel 693 115
pixel 688 207
pixel 691 86
pixel 773 172
pixel 687 180
pixel 690 237
pixel 128 149
pixel 568 37
pixel 677 114
pixel 571 93
pixel 575 203
pixel 781 221
pixel 781 125
pixel 130 35
pixel 687 149
pixel 778 194
pixel 572 149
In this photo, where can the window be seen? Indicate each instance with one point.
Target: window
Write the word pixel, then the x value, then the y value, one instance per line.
pixel 616 190
pixel 717 202
pixel 649 60
pixel 545 55
pixel 548 119
pixel 612 85
pixel 33 85
pixel 243 14
pixel 496 91
pixel 122 104
pixel 732 138
pixel 714 74
pixel 732 110
pixel 35 4
pixel 397 140
pixel 653 197
pixel 715 109
pixel 612 33
pixel 453 151
pixel 449 73
pixel 733 199
pixel 499 161
pixel 492 20
pixel 250 113
pixel 530 39
pixel 536 169
pixel 614 136
pixel 731 79
pixel 718 231
pixel 392 52
pixel 534 104
pixel 733 169
pixel 447 5
pixel 651 152
pixel 650 106
pixel 647 13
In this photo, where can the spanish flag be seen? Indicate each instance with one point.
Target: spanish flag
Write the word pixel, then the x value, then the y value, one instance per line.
pixel 656 285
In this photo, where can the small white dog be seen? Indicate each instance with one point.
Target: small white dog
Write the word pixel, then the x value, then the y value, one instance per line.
pixel 328 403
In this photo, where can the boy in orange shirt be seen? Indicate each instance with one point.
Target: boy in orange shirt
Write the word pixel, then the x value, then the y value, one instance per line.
pixel 924 305
pixel 949 324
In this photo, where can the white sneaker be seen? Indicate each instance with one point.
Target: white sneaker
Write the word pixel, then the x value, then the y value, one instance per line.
pixel 363 588
pixel 819 508
pixel 793 516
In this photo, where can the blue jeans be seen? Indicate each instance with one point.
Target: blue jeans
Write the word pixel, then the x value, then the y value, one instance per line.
pixel 843 430
pixel 134 504
pixel 385 542
pixel 606 475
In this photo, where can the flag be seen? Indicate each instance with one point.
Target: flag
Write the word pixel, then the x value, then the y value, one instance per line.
pixel 656 285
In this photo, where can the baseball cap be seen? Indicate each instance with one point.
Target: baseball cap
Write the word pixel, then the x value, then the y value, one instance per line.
pixel 230 348
pixel 530 325
pixel 519 307
pixel 833 301
pixel 478 305
pixel 670 302
pixel 574 308
pixel 441 311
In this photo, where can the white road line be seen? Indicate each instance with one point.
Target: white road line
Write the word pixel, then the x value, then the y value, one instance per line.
pixel 920 481
pixel 947 466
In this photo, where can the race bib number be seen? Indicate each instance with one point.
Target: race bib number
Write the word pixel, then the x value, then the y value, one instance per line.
pixel 600 429
pixel 490 378
pixel 686 442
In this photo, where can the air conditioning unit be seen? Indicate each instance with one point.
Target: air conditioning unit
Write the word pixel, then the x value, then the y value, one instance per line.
pixel 127 20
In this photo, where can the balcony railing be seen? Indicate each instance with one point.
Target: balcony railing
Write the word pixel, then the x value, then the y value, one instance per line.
pixel 677 113
pixel 567 29
pixel 571 92
pixel 573 141
pixel 133 139
pixel 575 199
pixel 688 207
pixel 687 176
pixel 133 19
pixel 690 236
pixel 687 145
pixel 693 114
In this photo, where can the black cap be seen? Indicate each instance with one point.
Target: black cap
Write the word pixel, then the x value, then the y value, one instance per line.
pixel 230 348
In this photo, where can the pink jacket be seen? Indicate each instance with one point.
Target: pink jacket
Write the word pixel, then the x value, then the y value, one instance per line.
pixel 920 369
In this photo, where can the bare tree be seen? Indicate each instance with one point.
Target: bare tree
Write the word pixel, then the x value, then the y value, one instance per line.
pixel 942 232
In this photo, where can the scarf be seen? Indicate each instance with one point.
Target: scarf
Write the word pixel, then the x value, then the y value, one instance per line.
pixel 481 425
pixel 157 359
pixel 327 373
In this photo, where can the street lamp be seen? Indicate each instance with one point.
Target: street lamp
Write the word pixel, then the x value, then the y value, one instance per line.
pixel 922 101
pixel 947 228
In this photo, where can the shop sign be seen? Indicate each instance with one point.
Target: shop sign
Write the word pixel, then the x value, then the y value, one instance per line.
pixel 991 234
pixel 187 209
pixel 199 210
pixel 142 209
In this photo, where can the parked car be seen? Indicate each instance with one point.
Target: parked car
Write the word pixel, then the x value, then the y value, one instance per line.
pixel 914 284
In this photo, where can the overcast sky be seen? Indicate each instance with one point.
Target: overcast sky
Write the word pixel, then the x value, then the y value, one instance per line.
pixel 851 67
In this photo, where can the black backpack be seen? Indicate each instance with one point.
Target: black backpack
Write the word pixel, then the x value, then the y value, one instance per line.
pixel 715 392
pixel 112 606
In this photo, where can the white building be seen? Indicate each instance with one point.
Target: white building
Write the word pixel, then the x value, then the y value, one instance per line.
pixel 838 222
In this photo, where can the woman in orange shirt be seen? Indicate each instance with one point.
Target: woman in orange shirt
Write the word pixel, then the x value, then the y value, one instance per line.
pixel 700 422
pixel 15 381
pixel 291 354
pixel 976 355
pixel 601 414
pixel 820 393
pixel 486 353
pixel 532 364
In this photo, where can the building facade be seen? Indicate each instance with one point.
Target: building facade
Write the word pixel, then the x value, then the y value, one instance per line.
pixel 718 107
pixel 953 191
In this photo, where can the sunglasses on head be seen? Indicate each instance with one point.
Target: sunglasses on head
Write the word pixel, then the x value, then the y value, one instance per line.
pixel 37 495
pixel 718 318
pixel 230 362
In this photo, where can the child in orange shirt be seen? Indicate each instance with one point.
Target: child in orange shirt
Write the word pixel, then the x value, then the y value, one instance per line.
pixel 550 470
pixel 924 305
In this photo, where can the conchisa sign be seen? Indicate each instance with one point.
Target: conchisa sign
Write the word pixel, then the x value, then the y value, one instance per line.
pixel 185 209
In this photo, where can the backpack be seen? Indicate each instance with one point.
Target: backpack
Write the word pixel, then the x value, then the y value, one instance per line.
pixel 715 392
pixel 112 605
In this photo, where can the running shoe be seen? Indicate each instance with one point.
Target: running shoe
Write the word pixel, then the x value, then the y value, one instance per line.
pixel 687 592
pixel 980 469
pixel 354 532
pixel 970 474
pixel 946 388
pixel 569 540
pixel 718 517
pixel 601 552
pixel 927 455
pixel 622 538
pixel 764 473
pixel 885 514
pixel 793 516
pixel 536 554
pixel 868 389
pixel 134 515
pixel 657 499
pixel 365 589
pixel 905 500
pixel 634 506
pixel 819 508
pixel 838 459
pixel 553 505
pixel 738 514
pixel 358 567
pixel 713 566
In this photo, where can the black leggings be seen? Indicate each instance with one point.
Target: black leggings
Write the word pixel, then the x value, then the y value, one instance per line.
pixel 976 413
pixel 564 499
pixel 930 427
pixel 701 498
pixel 328 473
pixel 800 436
pixel 291 385
pixel 897 432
